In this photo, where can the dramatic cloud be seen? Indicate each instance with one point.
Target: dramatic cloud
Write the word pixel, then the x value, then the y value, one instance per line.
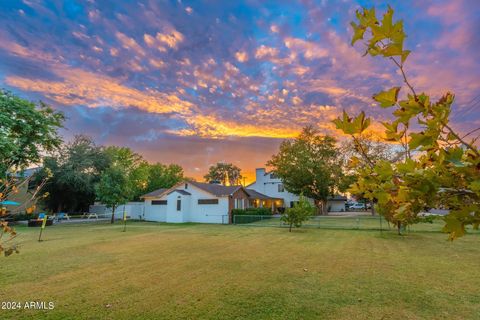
pixel 224 82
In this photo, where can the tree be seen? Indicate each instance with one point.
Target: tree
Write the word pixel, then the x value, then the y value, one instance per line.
pixel 76 168
pixel 26 132
pixel 353 159
pixel 114 188
pixel 224 173
pixel 309 165
pixel 444 169
pixel 164 176
pixel 121 180
pixel 300 212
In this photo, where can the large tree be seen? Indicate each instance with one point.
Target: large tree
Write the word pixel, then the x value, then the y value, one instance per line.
pixel 76 168
pixel 353 160
pixel 225 173
pixel 27 131
pixel 163 176
pixel 309 165
pixel 441 166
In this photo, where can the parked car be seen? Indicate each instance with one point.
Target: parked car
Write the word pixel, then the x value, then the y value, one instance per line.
pixel 358 206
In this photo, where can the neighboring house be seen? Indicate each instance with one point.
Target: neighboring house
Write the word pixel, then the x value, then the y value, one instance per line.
pixel 25 191
pixel 268 184
pixel 198 202
pixel 336 203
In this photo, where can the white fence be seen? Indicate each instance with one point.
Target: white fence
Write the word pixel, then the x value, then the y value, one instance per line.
pixel 134 210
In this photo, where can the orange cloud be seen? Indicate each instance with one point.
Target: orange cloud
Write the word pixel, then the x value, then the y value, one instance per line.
pixel 310 50
pixel 265 52
pixel 130 43
pixel 241 56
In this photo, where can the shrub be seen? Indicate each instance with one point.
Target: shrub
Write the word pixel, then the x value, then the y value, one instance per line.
pixel 252 212
pixel 300 212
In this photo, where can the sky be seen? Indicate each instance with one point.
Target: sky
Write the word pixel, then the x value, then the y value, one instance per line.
pixel 199 82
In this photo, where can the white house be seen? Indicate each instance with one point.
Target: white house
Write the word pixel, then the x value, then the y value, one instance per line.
pixel 198 202
pixel 270 185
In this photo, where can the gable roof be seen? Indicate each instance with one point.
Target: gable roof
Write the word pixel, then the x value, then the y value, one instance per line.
pixel 216 189
pixel 257 195
pixel 155 193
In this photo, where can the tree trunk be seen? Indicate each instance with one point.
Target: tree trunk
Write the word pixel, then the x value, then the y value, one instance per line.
pixel 372 208
pixel 324 208
pixel 399 228
pixel 113 215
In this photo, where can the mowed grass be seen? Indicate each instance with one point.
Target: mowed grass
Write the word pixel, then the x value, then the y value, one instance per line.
pixel 193 271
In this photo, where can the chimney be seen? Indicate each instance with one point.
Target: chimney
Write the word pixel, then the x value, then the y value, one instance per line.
pixel 259 174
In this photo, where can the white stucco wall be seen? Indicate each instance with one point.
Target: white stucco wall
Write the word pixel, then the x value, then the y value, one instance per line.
pixel 155 212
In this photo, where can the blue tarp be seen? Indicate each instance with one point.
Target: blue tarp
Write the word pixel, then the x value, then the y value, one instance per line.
pixel 10 203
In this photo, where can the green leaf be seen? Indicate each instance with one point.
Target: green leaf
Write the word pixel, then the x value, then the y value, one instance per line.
pixel 358 31
pixel 387 21
pixel 419 139
pixel 454 156
pixel 384 169
pixel 393 49
pixel 475 186
pixel 404 55
pixel 360 123
pixel 387 98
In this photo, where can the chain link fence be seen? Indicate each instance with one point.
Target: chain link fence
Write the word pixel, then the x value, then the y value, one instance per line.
pixel 347 222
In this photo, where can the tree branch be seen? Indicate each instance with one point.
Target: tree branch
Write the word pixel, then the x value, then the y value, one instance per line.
pixel 466 144
pixel 362 150
pixel 400 66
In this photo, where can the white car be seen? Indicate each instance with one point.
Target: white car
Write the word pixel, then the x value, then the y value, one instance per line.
pixel 357 206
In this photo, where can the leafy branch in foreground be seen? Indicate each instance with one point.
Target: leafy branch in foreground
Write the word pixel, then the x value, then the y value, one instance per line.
pixel 441 168
pixel 27 131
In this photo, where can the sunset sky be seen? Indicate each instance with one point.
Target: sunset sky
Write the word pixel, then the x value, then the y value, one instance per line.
pixel 194 83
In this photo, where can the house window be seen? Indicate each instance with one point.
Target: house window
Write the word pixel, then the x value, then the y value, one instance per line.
pixel 186 185
pixel 281 188
pixel 239 204
pixel 291 204
pixel 179 204
pixel 273 176
pixel 207 201
pixel 159 202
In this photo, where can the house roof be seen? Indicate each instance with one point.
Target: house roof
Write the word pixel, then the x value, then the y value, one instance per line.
pixel 216 189
pixel 185 193
pixel 155 193
pixel 257 195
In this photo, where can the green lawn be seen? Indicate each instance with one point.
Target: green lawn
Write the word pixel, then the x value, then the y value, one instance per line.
pixel 159 271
